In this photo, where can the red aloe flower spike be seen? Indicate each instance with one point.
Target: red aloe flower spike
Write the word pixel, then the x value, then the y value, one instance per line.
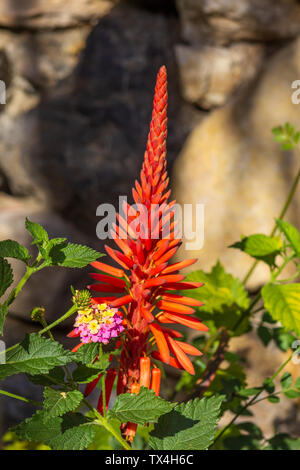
pixel 147 237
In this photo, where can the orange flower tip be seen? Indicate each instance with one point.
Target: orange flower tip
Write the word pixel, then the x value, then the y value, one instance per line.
pixel 182 300
pixel 161 342
pixel 145 365
pixel 181 356
pixel 72 334
pixel 174 307
pixel 77 347
pixel 155 380
pixel 126 299
pixel 108 269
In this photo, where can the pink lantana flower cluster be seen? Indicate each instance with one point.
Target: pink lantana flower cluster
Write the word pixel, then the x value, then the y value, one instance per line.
pixel 98 324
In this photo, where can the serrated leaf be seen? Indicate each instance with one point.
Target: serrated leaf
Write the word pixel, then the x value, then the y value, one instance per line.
pixel 87 353
pixel 69 432
pixel 13 249
pixel 6 275
pixel 37 232
pixel 189 426
pixel 283 303
pixel 291 234
pixel 58 403
pixel 72 255
pixel 224 296
pixel 84 374
pixel 145 407
pixel 260 246
pixel 34 355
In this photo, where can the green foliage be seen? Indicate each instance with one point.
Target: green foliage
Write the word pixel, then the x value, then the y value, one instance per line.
pixel 282 442
pixel 189 426
pixel 145 407
pixel 6 275
pixel 261 247
pixel 84 374
pixel 58 403
pixel 34 355
pixel 71 255
pixel 283 303
pixel 224 297
pixel 13 249
pixel 38 233
pixel 72 431
pixel 291 234
pixel 287 136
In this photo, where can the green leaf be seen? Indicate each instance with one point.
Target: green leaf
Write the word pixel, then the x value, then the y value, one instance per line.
pixel 84 374
pixel 264 334
pixel 260 246
pixel 291 234
pixel 54 376
pixel 292 394
pixel 58 403
pixel 274 399
pixel 283 339
pixel 72 255
pixel 297 383
pixel 286 380
pixel 6 275
pixel 13 249
pixel 248 392
pixel 37 232
pixel 145 407
pixel 283 303
pixel 87 353
pixel 34 355
pixel 189 426
pixel 269 385
pixel 69 432
pixel 224 297
pixel 283 442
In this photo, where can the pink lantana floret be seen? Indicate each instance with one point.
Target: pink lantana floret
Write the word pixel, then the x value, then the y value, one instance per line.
pixel 98 324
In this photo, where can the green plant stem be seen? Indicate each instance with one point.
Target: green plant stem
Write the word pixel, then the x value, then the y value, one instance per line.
pixel 254 398
pixel 18 397
pixel 103 421
pixel 281 216
pixel 13 294
pixel 70 312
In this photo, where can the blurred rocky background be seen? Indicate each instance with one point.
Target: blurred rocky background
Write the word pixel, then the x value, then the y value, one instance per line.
pixel 79 78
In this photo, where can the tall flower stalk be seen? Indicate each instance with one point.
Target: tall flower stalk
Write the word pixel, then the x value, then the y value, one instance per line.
pixel 147 239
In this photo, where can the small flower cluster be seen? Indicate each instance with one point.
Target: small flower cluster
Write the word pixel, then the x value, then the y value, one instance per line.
pixel 98 324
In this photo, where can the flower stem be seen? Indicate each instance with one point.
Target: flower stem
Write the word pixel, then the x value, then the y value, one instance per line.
pixel 18 397
pixel 70 312
pixel 103 421
pixel 281 215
